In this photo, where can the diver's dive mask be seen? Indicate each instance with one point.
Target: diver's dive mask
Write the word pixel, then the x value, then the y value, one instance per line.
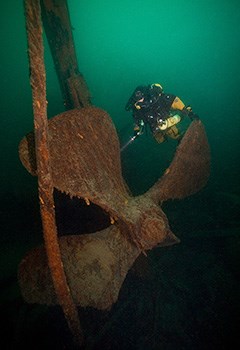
pixel 136 98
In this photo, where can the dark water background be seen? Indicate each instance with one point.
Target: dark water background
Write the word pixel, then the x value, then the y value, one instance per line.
pixel 189 295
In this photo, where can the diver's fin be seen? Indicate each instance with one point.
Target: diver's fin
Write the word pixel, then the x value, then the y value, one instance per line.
pixel 190 168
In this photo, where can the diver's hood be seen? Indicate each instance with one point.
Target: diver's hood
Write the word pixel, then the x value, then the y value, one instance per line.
pixel 150 93
pixel 140 92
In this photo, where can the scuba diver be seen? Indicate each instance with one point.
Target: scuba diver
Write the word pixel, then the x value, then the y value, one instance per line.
pixel 161 111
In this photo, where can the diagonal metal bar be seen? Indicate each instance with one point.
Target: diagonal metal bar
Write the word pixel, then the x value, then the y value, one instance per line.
pixel 45 185
pixel 58 29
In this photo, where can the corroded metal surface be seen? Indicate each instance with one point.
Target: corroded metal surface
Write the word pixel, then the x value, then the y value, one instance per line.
pixel 95 265
pixel 190 168
pixel 58 29
pixel 85 156
pixel 43 161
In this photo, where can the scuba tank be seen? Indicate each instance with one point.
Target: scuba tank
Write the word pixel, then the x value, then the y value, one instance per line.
pixel 167 127
pixel 169 122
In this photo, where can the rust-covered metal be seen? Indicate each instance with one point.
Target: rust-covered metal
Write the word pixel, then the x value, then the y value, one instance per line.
pixel 85 156
pixel 57 25
pixel 44 166
pixel 190 168
pixel 96 266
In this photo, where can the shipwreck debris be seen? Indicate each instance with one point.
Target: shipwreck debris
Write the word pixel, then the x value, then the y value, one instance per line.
pixel 90 167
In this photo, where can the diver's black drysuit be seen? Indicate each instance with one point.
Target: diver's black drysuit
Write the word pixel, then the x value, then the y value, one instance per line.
pixel 161 111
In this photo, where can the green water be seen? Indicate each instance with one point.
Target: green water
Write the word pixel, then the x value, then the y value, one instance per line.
pixel 192 48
